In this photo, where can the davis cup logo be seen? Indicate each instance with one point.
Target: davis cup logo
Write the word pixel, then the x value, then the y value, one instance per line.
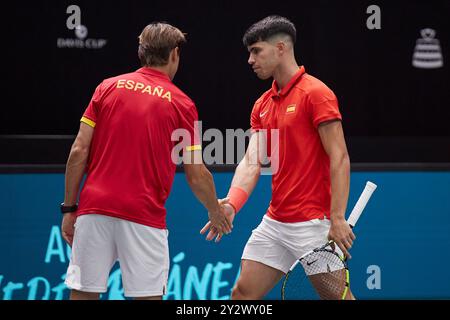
pixel 81 32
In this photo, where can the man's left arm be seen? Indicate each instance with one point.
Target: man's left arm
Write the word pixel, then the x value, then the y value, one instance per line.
pixel 76 164
pixel 333 141
pixel 75 168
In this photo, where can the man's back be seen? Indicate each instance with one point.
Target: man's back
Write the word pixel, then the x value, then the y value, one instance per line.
pixel 130 170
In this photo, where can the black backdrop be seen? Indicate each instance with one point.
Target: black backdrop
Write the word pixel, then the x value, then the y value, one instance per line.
pixel 392 111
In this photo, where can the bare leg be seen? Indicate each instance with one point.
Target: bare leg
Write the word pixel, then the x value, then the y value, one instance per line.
pixel 80 295
pixel 255 281
pixel 331 286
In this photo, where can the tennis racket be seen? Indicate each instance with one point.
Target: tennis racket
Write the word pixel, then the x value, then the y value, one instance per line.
pixel 323 273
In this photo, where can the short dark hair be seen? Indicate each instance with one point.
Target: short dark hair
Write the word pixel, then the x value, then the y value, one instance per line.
pixel 156 41
pixel 269 27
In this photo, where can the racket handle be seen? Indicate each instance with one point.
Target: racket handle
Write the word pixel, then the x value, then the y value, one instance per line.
pixel 361 203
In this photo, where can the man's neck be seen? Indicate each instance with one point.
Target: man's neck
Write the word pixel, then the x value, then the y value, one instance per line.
pixel 162 69
pixel 284 74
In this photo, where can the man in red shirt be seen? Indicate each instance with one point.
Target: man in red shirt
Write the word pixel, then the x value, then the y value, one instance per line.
pixel 310 182
pixel 125 145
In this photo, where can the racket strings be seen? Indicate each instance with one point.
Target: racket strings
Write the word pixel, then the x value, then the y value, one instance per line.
pixel 327 273
pixel 323 276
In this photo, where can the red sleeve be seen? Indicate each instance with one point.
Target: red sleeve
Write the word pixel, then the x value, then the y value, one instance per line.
pixel 255 119
pixel 189 122
pixel 91 113
pixel 323 106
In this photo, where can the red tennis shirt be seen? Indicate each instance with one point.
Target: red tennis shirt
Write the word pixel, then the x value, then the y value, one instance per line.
pixel 301 188
pixel 130 169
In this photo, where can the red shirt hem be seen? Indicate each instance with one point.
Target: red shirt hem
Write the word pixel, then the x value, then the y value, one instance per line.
pixel 305 217
pixel 120 216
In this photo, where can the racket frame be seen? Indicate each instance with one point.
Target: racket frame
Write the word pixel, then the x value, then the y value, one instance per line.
pixel 352 219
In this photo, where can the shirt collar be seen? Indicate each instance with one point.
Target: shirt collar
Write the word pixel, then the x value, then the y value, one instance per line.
pixel 153 72
pixel 289 85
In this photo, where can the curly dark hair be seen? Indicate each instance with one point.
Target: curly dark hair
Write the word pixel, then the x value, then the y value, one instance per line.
pixel 269 27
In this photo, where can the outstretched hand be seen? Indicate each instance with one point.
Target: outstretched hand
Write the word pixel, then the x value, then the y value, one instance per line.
pixel 213 231
pixel 218 218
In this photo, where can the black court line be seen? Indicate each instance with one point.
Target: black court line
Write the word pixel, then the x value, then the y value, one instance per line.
pixel 386 152
pixel 355 167
pixel 37 136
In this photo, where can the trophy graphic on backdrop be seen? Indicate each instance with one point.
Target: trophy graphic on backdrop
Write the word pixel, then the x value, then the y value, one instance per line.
pixel 427 53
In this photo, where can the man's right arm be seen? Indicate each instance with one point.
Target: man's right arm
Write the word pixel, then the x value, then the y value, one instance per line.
pixel 244 181
pixel 201 182
pixel 249 169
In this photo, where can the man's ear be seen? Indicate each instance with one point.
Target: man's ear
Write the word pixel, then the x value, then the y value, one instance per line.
pixel 175 53
pixel 281 46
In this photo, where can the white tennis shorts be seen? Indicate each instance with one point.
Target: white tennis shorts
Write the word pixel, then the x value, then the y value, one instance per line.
pixel 279 245
pixel 100 241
